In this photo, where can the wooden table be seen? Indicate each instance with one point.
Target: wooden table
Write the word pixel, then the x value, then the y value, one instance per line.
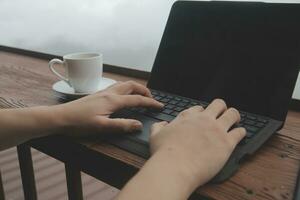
pixel 269 174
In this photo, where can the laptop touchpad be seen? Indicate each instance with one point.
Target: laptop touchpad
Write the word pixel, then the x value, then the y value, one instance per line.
pixel 139 136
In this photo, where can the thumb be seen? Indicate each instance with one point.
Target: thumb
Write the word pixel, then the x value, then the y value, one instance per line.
pixel 121 125
pixel 236 135
pixel 156 141
pixel 156 127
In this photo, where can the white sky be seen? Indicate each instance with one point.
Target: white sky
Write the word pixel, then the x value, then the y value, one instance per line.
pixel 127 32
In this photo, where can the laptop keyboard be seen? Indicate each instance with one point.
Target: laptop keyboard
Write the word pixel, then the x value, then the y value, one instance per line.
pixel 175 104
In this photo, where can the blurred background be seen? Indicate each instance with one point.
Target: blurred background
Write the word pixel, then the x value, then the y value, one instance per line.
pixel 127 32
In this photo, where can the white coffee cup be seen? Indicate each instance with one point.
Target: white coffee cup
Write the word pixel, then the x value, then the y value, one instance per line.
pixel 83 71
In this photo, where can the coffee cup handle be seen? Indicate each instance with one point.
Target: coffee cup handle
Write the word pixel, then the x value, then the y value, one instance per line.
pixel 57 61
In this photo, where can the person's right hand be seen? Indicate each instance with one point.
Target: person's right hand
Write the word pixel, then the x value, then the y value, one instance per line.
pixel 198 142
pixel 186 153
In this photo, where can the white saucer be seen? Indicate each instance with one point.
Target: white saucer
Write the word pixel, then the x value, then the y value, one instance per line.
pixel 63 88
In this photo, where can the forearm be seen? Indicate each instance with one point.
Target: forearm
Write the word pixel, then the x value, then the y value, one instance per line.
pixel 159 179
pixel 20 125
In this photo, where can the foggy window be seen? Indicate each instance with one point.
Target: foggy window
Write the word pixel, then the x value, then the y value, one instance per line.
pixel 127 32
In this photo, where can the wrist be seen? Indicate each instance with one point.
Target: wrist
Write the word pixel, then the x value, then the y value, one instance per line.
pixel 179 167
pixel 164 177
pixel 50 118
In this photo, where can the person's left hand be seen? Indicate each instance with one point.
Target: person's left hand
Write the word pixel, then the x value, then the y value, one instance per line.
pixel 91 113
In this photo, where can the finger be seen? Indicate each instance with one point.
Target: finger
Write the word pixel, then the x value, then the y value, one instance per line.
pixel 114 85
pixel 138 101
pixel 156 127
pixel 131 87
pixel 192 110
pixel 229 118
pixel 195 109
pixel 155 142
pixel 110 88
pixel 216 108
pixel 236 135
pixel 121 125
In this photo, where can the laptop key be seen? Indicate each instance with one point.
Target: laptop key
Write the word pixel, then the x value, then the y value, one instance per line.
pixel 179 109
pixel 173 102
pixel 182 104
pixel 194 103
pixel 175 113
pixel 165 100
pixel 189 106
pixel 249 134
pixel 158 98
pixel 262 120
pixel 162 94
pixel 251 117
pixel 160 116
pixel 251 128
pixel 243 115
pixel 167 111
pixel 260 125
pixel 249 122
pixel 154 93
pixel 169 106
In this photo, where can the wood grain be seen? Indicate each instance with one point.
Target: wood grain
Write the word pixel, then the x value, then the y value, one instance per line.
pixel 268 174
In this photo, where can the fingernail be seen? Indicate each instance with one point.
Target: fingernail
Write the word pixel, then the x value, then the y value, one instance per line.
pixel 137 125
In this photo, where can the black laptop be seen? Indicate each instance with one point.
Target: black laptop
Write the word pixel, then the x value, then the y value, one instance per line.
pixel 247 53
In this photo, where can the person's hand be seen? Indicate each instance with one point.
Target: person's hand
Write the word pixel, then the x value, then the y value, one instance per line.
pixel 198 142
pixel 186 153
pixel 91 113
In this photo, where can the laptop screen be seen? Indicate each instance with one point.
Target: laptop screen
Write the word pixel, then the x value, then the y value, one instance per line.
pixel 243 52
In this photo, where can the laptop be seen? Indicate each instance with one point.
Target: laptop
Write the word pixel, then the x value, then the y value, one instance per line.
pixel 247 53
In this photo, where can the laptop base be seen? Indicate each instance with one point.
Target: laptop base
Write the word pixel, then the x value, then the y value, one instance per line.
pixel 137 143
